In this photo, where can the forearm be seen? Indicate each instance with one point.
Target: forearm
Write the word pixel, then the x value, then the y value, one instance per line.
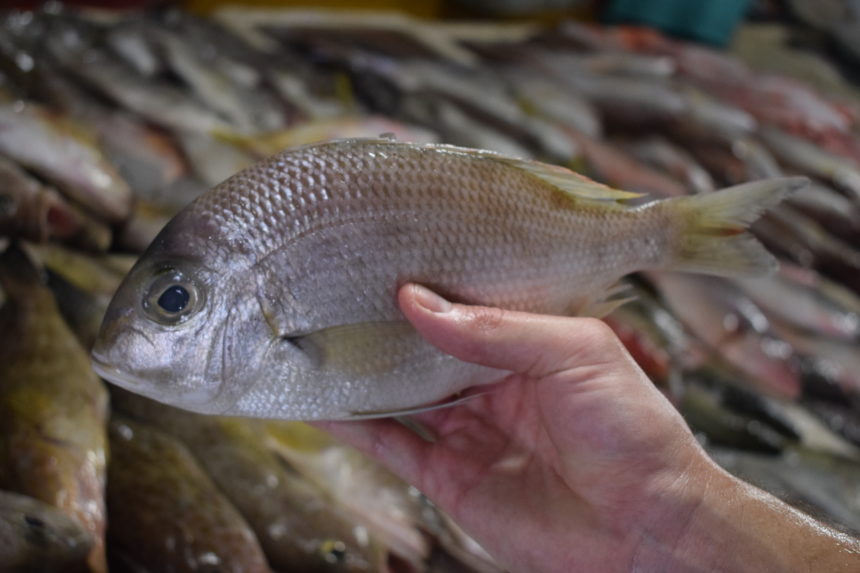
pixel 737 527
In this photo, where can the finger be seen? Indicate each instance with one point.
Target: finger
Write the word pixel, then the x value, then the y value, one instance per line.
pixel 530 344
pixel 386 441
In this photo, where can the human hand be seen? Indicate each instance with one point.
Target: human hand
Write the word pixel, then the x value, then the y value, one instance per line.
pixel 575 462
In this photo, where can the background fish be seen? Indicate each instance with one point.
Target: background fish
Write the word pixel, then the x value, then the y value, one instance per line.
pixel 326 234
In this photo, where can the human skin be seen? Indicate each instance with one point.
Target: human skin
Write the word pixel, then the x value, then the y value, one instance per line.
pixel 576 462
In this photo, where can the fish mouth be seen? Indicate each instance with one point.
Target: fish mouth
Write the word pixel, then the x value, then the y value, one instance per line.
pixel 193 400
pixel 116 376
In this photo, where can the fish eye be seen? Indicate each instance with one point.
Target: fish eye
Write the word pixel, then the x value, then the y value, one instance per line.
pixel 333 551
pixel 174 299
pixel 171 297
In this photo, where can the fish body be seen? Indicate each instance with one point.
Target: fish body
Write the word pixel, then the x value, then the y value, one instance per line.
pixel 286 274
pixel 53 408
pixel 165 512
pixel 299 526
pixel 55 149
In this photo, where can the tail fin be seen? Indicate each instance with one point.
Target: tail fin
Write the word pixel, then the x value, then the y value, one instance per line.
pixel 713 237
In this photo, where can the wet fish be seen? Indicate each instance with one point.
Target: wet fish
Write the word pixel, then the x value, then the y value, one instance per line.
pixel 36 212
pixel 52 406
pixel 382 502
pixel 286 273
pixel 812 159
pixel 674 161
pixel 60 152
pixel 299 526
pixel 731 324
pixel 38 538
pixel 802 305
pixel 166 514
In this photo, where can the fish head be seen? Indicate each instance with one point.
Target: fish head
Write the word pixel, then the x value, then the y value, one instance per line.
pixel 162 334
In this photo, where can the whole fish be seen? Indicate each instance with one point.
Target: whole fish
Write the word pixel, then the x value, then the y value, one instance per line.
pixel 273 295
pixel 53 408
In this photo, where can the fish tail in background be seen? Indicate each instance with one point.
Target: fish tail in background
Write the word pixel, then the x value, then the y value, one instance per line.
pixel 713 237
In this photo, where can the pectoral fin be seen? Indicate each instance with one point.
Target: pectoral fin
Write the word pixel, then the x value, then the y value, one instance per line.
pixel 361 349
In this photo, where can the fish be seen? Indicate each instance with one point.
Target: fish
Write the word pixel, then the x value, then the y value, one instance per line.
pixel 61 152
pixel 731 324
pixel 299 526
pixel 803 305
pixel 166 514
pixel 36 537
pixel 36 212
pixel 286 273
pixel 662 154
pixel 53 408
pixel 386 505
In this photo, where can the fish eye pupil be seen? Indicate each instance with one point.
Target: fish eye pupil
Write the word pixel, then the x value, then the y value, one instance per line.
pixel 174 299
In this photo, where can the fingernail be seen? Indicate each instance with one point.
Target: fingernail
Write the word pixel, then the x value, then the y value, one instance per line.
pixel 430 300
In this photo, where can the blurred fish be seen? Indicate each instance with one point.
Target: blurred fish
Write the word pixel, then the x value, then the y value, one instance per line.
pixel 610 164
pixel 52 406
pixel 632 103
pixel 153 99
pixel 385 504
pixel 32 211
pixel 249 109
pixel 705 413
pixel 733 326
pixel 811 159
pixel 166 514
pixel 707 119
pixel 542 97
pixel 82 285
pixel 316 340
pixel 674 161
pixel 213 160
pixel 802 305
pixel 38 538
pixel 53 148
pixel 656 340
pixel 835 361
pixel 132 40
pixel 830 209
pixel 299 526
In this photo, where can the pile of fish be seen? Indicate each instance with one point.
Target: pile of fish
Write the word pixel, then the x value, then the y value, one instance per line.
pixel 109 124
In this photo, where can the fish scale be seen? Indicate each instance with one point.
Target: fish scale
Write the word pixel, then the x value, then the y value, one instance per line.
pixel 294 266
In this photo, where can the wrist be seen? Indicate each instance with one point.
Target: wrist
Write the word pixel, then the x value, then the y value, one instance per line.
pixel 673 534
pixel 716 522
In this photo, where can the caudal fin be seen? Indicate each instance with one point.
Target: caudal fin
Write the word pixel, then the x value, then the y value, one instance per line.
pixel 714 238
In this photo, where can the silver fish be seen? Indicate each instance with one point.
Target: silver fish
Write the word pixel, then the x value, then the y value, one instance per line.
pixel 273 295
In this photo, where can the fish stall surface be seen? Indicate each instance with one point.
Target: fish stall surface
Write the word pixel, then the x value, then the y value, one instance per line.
pixel 273 294
pixel 277 287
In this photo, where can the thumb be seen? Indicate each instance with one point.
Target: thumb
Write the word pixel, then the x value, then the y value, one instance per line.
pixel 524 343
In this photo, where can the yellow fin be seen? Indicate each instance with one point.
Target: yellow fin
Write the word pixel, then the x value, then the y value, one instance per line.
pixel 569 182
pixel 714 238
pixel 361 349
pixel 608 302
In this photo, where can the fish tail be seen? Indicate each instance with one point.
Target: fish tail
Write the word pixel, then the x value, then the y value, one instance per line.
pixel 714 237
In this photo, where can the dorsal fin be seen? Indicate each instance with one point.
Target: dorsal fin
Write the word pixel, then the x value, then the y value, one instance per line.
pixel 569 182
